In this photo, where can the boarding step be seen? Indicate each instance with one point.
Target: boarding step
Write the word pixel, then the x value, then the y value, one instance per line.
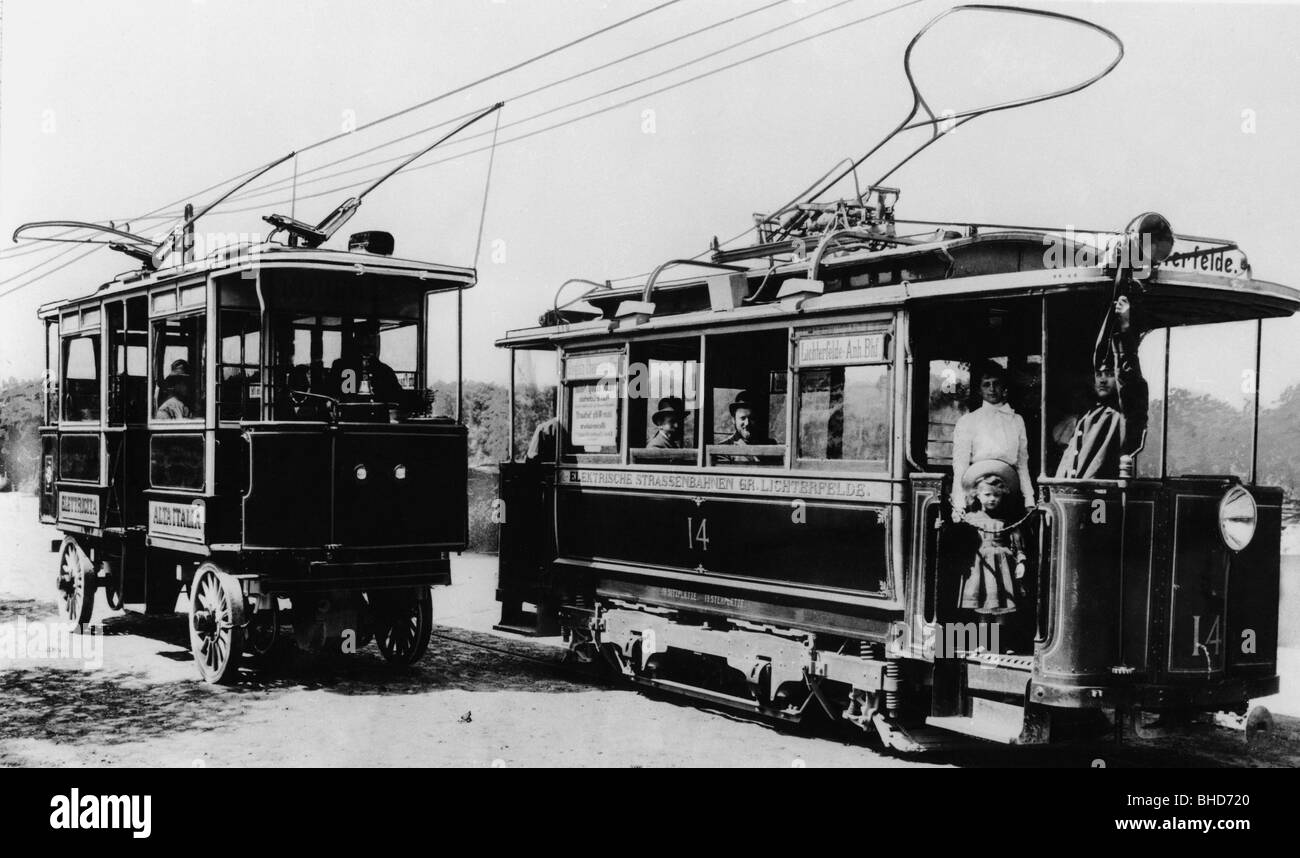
pixel 990 720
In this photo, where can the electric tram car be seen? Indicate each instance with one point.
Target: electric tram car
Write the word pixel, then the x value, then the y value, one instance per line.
pixel 818 563
pixel 259 430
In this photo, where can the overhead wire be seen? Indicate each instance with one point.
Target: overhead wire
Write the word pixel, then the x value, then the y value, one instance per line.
pixel 396 114
pixel 271 188
pixel 608 108
pixel 605 109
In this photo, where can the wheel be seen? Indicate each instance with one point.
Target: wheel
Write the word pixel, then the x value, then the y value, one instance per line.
pixel 76 582
pixel 114 570
pixel 217 624
pixel 403 622
pixel 1259 723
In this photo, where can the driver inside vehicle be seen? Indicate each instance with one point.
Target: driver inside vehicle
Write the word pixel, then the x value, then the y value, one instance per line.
pixel 359 375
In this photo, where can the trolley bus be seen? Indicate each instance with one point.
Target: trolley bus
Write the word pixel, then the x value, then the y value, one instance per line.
pixel 814 559
pixel 270 428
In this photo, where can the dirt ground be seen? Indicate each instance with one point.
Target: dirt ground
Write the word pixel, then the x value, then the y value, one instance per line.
pixel 478 698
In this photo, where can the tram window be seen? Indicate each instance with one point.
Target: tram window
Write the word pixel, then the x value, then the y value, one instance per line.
pixel 536 387
pixel 663 391
pixel 81 378
pixel 239 391
pixel 79 457
pixel 747 383
pixel 949 398
pixel 342 358
pixel 1151 356
pixel 128 365
pixel 593 391
pixel 845 400
pixel 1211 399
pixel 178 368
pixel 51 373
pixel 442 356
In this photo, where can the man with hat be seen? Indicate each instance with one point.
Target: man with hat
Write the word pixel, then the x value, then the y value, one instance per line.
pixel 670 419
pixel 744 410
pixel 360 373
pixel 177 387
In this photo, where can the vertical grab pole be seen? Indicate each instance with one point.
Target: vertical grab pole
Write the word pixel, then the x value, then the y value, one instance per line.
pixel 510 430
pixel 460 350
pixel 1254 438
pixel 1164 415
pixel 1042 394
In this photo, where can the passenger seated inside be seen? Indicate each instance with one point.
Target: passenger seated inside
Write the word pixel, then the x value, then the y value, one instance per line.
pixel 669 421
pixel 176 393
pixel 359 375
pixel 746 417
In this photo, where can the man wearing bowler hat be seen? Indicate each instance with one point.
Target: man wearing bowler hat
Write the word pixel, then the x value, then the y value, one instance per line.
pixel 670 419
pixel 744 415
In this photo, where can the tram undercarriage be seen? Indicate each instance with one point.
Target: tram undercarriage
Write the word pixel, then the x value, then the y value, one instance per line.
pixel 258 604
pixel 912 705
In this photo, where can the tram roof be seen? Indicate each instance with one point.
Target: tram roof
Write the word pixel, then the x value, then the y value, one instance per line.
pixel 984 266
pixel 272 256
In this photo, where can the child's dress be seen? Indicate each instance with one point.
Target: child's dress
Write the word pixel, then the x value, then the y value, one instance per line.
pixel 990 586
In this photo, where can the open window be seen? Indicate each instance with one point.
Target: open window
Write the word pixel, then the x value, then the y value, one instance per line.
pixel 845 412
pixel 535 388
pixel 593 395
pixel 747 381
pixel 663 391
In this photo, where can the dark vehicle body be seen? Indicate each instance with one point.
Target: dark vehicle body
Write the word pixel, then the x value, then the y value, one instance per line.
pixel 807 577
pixel 266 496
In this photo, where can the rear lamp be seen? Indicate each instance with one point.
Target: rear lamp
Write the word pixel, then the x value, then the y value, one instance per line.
pixel 1237 518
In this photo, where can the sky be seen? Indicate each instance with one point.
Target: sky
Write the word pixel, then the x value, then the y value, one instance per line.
pixel 115 109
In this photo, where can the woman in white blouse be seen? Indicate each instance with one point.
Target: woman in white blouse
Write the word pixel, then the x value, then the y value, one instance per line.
pixel 992 431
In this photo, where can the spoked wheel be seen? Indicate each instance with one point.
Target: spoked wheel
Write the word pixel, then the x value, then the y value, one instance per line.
pixel 216 624
pixel 403 622
pixel 76 582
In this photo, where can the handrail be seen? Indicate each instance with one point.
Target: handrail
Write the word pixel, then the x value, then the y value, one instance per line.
pixel 649 287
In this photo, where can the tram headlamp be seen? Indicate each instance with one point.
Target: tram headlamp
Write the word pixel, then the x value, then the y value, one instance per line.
pixel 360 472
pixel 1150 239
pixel 1237 518
pixel 399 472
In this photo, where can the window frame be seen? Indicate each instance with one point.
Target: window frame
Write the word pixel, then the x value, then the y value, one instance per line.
pixel 567 382
pixel 82 321
pixel 701 394
pixel 202 381
pixel 888 330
